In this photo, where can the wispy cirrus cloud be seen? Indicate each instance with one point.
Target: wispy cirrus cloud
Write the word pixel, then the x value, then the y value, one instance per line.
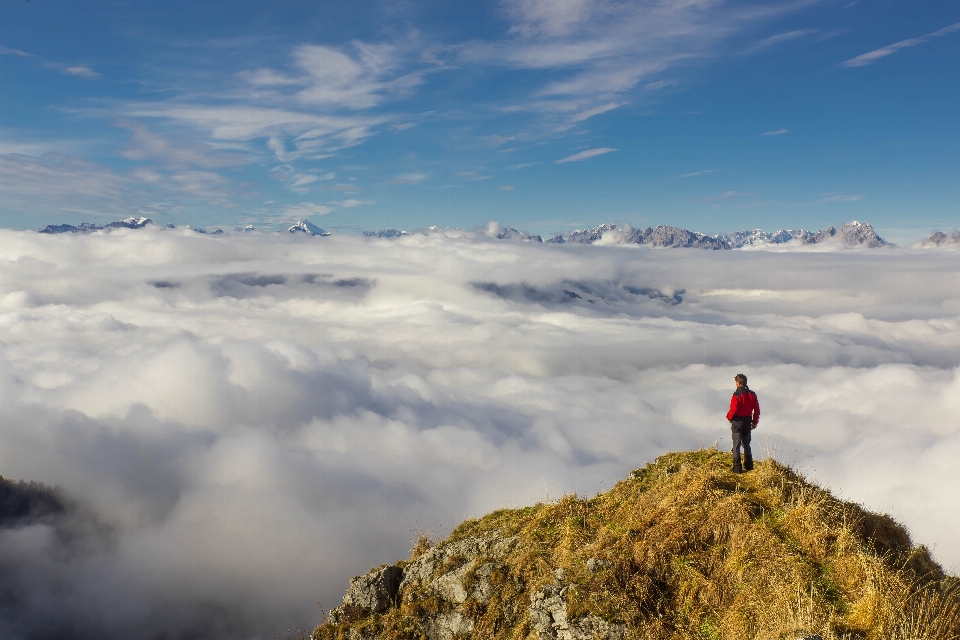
pixel 780 38
pixel 473 175
pixel 778 132
pixel 409 178
pixel 838 197
pixel 589 113
pixel 496 140
pixel 692 174
pixel 872 56
pixel 585 155
pixel 595 52
pixel 76 70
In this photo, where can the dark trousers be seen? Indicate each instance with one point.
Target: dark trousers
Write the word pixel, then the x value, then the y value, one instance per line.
pixel 741 438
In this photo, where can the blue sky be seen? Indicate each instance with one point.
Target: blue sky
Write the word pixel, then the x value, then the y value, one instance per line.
pixel 543 115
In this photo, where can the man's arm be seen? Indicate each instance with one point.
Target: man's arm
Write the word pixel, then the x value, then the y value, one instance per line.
pixel 733 408
pixel 756 411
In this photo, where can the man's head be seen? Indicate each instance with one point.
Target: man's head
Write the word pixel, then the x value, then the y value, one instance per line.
pixel 740 379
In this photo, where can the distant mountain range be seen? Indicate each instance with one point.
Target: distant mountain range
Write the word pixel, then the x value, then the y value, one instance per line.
pixel 851 234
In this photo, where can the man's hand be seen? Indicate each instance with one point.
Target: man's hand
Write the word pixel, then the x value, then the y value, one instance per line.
pixel 753 426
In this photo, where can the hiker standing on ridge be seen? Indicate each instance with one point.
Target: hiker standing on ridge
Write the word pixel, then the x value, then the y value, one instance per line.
pixel 743 416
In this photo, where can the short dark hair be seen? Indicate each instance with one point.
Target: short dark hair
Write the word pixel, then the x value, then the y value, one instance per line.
pixel 742 379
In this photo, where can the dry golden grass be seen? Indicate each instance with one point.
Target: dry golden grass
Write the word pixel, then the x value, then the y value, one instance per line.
pixel 695 551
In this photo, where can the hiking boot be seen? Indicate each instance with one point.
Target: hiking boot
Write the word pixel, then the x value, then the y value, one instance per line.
pixel 747 463
pixel 737 470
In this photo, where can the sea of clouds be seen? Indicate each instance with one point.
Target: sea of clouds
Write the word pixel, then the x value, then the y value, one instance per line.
pixel 245 421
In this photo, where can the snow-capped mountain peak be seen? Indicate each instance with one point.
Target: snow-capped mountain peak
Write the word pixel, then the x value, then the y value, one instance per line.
pixel 305 226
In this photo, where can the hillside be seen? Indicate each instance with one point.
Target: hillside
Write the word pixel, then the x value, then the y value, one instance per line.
pixel 682 548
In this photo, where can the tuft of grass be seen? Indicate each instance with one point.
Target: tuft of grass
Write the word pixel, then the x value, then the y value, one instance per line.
pixel 694 551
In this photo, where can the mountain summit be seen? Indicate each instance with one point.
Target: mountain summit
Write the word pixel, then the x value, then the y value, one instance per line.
pixel 682 548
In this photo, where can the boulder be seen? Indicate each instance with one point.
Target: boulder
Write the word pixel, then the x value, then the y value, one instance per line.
pixel 374 592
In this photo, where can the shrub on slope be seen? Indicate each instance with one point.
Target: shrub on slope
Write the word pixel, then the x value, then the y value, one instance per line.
pixel 683 548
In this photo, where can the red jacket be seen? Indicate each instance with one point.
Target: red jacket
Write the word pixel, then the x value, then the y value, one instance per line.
pixel 744 404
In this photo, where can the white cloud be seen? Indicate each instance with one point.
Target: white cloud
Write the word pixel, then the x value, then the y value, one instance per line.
pixel 695 173
pixel 306 209
pixel 254 418
pixel 409 178
pixel 496 140
pixel 659 84
pixel 473 175
pixel 777 132
pixel 872 56
pixel 589 113
pixel 584 155
pixel 780 38
pixel 353 202
pixel 839 197
pixel 505 187
pixel 79 70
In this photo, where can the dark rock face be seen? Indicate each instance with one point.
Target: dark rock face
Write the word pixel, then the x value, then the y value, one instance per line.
pixel 376 591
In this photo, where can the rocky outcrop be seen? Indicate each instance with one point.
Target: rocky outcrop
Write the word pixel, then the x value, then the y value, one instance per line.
pixel 457 570
pixel 548 617
pixel 374 592
pixel 447 575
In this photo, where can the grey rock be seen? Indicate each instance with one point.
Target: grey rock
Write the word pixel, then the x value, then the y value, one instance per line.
pixel 548 617
pixel 446 626
pixel 475 554
pixel 598 564
pixel 374 592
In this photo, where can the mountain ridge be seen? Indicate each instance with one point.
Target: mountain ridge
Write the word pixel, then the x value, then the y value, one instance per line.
pixel 850 234
pixel 682 548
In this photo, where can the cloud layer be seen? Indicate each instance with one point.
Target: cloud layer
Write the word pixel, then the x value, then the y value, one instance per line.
pixel 250 419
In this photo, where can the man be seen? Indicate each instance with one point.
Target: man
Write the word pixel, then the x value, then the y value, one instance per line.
pixel 743 416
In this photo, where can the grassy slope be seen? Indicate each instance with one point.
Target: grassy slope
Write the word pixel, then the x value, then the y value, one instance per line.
pixel 698 552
